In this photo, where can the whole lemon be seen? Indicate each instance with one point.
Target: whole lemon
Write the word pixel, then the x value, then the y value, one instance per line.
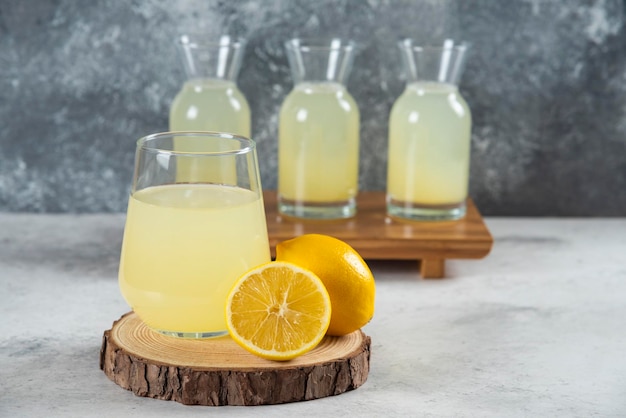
pixel 347 278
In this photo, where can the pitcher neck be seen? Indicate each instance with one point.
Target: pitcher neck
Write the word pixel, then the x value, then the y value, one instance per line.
pixel 320 60
pixel 433 64
pixel 207 59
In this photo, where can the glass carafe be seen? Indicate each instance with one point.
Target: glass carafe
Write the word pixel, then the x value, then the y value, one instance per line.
pixel 210 100
pixel 318 146
pixel 429 136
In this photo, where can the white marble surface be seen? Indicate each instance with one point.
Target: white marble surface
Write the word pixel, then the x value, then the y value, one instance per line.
pixel 536 329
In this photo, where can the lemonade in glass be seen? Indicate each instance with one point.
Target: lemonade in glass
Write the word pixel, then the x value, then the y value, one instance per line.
pixel 186 242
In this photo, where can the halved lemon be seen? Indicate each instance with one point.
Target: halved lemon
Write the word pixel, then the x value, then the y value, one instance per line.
pixel 278 311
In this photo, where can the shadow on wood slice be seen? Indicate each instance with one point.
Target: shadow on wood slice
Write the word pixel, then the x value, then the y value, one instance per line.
pixel 218 372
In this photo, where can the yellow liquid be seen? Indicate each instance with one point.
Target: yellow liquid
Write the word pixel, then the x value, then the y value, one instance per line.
pixel 429 146
pixel 184 247
pixel 318 150
pixel 210 105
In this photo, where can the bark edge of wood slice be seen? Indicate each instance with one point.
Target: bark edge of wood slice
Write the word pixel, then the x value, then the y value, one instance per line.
pixel 217 372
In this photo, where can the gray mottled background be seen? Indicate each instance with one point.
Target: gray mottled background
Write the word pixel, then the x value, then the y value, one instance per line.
pixel 80 81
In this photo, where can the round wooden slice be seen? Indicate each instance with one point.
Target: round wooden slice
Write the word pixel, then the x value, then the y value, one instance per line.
pixel 219 372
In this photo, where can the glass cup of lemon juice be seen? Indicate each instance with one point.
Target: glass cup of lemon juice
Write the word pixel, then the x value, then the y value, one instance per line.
pixel 190 234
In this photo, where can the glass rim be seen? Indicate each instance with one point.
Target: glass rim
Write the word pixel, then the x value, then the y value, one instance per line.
pixel 248 144
pixel 197 40
pixel 321 43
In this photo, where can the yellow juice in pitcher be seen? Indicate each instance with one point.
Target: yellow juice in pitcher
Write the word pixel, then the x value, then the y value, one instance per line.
pixel 318 144
pixel 429 146
pixel 210 105
pixel 207 105
pixel 184 247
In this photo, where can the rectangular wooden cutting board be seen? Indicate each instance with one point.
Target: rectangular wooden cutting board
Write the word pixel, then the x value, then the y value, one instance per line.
pixel 378 237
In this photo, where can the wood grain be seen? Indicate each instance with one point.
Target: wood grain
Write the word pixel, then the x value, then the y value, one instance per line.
pixel 433 268
pixel 219 372
pixel 377 236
